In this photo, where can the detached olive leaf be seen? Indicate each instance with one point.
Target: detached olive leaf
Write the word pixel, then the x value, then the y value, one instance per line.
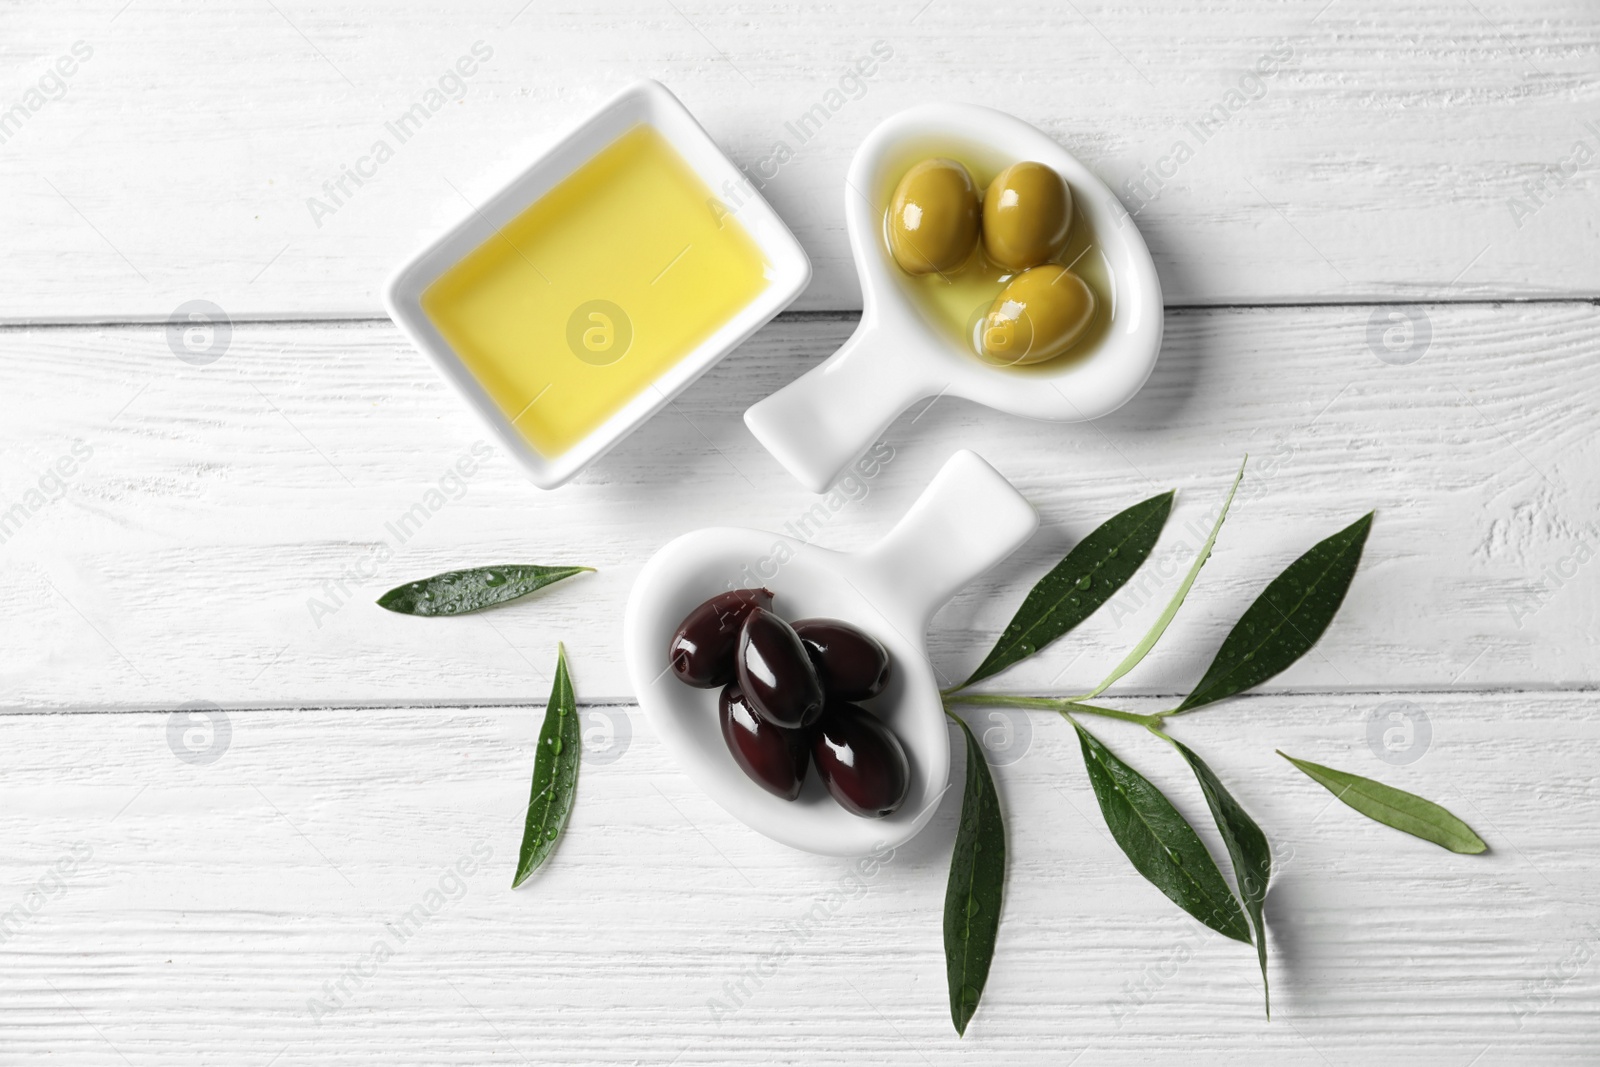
pixel 1395 807
pixel 1076 587
pixel 1142 649
pixel 555 775
pixel 458 592
pixel 1247 848
pixel 1286 619
pixel 972 898
pixel 1159 841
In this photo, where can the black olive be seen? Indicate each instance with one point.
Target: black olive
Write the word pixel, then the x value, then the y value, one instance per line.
pixel 776 673
pixel 775 759
pixel 853 665
pixel 861 760
pixel 702 651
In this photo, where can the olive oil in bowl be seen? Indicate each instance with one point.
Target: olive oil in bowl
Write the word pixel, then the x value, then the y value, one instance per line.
pixel 578 305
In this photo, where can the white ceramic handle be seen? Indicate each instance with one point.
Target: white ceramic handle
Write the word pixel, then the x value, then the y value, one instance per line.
pixel 817 424
pixel 967 520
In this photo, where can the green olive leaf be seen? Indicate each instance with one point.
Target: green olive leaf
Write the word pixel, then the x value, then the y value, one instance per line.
pixel 1159 840
pixel 1142 649
pixel 458 592
pixel 555 774
pixel 972 898
pixel 1247 848
pixel 1286 619
pixel 1395 807
pixel 1076 587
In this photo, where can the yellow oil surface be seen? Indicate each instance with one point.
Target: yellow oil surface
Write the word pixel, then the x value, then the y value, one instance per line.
pixel 584 300
pixel 956 301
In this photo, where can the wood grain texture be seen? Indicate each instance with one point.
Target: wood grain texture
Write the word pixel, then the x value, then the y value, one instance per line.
pixel 212 902
pixel 228 533
pixel 319 874
pixel 1409 150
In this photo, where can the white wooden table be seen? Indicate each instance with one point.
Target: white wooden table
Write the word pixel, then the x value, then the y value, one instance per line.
pixel 1381 275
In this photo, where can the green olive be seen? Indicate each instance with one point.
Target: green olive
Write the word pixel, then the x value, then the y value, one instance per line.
pixel 1038 316
pixel 933 218
pixel 1027 215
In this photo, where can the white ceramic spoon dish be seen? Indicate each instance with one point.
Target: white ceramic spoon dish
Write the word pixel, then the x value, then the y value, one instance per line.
pixel 816 425
pixel 967 520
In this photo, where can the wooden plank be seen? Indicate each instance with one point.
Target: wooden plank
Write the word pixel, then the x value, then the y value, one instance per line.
pixel 1404 150
pixel 232 524
pixel 199 909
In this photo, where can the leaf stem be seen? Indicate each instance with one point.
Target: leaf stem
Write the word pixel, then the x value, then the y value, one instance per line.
pixel 997 700
pixel 1149 640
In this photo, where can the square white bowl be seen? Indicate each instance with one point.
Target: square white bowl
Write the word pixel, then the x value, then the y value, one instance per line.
pixel 646 102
